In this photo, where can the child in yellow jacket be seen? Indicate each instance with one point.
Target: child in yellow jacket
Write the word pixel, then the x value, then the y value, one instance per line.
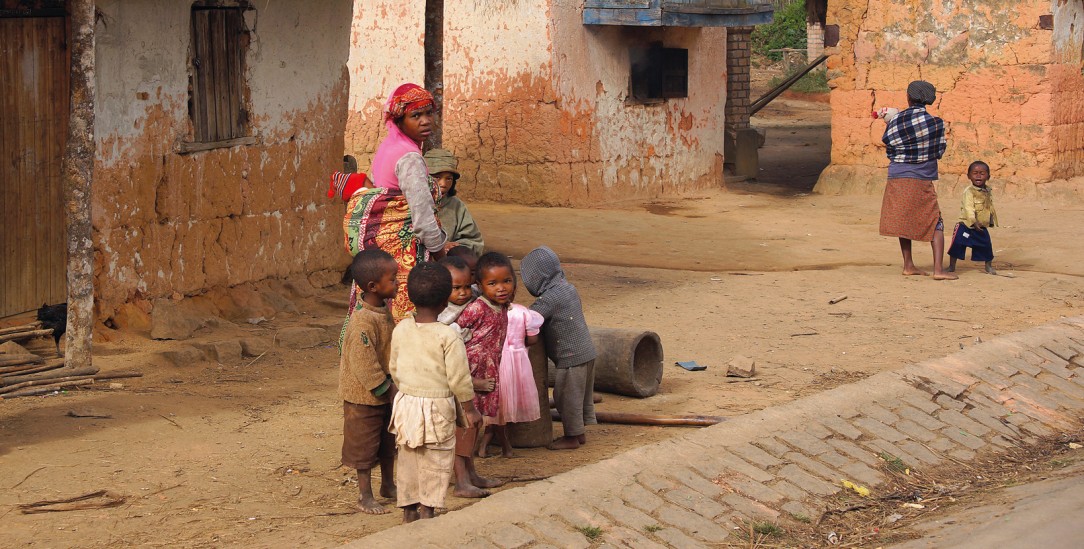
pixel 977 215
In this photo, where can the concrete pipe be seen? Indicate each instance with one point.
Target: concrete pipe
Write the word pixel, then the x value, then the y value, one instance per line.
pixel 539 432
pixel 629 362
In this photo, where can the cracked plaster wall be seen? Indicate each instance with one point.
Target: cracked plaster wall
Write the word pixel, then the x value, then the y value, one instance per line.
pixel 168 223
pixel 535 101
pixel 1011 93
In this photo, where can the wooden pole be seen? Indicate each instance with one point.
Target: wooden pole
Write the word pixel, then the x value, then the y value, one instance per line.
pixel 433 46
pixel 78 177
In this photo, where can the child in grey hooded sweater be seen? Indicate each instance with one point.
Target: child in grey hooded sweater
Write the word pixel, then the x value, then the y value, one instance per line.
pixel 568 343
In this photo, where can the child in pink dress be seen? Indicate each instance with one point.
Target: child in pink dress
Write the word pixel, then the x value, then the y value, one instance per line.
pixel 519 399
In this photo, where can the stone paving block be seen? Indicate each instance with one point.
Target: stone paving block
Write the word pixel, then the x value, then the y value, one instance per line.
pixel 995 379
pixel 833 459
pixel 1002 366
pixel 749 507
pixel 921 401
pixel 748 487
pixel 624 515
pixel 855 451
pixel 1036 428
pixel 641 498
pixel 842 427
pixel 580 516
pixel 559 533
pixel 741 466
pixel 772 446
pixel 814 467
pixel 954 418
pixel 1061 349
pixel 795 475
pixel 1032 358
pixel 692 524
pixel 510 536
pixel 962 454
pixel 878 429
pixel 1034 397
pixel 915 430
pixel 967 439
pixel 816 429
pixel 863 474
pixel 1026 366
pixel 797 511
pixel 893 451
pixel 694 481
pixel 1031 382
pixel 1061 385
pixel 1060 370
pixel 790 491
pixel 695 501
pixel 919 451
pixel 655 482
pixel 943 444
pixel 1002 441
pixel 617 536
pixel 951 403
pixel 993 422
pixel 805 442
pixel 755 455
pixel 1051 359
pixel 921 417
pixel 673 537
pixel 936 383
pixel 881 414
pixel 480 543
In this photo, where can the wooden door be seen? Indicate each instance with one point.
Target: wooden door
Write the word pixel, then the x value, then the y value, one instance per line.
pixel 34 103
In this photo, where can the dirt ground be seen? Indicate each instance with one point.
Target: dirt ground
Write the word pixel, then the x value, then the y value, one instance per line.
pixel 247 452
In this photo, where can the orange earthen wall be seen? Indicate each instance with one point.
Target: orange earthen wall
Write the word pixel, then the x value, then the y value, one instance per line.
pixel 1004 93
pixel 168 223
pixel 535 104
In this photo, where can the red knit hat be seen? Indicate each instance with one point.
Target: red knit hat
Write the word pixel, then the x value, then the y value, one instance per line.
pixel 344 185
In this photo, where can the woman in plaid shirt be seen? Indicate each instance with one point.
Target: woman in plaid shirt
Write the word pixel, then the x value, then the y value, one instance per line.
pixel 914 142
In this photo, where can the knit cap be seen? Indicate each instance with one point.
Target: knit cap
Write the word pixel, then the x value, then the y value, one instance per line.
pixel 922 92
pixel 441 160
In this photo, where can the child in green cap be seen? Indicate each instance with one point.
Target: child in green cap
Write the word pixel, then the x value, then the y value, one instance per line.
pixel 451 211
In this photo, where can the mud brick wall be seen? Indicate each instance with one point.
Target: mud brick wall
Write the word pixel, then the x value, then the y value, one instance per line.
pixel 535 103
pixel 167 222
pixel 1009 79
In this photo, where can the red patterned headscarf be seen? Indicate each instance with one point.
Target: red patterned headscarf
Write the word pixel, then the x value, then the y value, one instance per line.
pixel 407 98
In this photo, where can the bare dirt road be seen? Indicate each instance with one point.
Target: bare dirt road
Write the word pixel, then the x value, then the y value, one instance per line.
pixel 245 452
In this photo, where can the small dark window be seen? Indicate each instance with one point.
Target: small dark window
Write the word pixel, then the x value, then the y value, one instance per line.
pixel 217 90
pixel 658 73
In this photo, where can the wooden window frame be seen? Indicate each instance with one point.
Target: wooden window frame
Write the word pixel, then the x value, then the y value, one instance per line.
pixel 657 74
pixel 218 93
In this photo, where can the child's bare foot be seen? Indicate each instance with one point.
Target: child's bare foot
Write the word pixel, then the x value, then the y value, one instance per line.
pixel 425 512
pixel 945 275
pixel 410 514
pixel 470 491
pixel 582 439
pixel 915 272
pixel 507 453
pixel 565 443
pixel 388 491
pixel 369 506
pixel 482 452
pixel 483 482
pixel 990 269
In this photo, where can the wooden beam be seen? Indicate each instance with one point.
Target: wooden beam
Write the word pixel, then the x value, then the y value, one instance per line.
pixel 186 147
pixel 78 179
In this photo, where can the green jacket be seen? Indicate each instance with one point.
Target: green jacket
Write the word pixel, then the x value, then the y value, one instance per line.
pixel 458 223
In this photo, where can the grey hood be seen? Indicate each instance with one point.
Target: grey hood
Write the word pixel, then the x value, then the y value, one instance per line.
pixel 541 270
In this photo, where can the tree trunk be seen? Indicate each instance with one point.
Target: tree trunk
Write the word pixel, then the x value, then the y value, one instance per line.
pixel 434 66
pixel 78 175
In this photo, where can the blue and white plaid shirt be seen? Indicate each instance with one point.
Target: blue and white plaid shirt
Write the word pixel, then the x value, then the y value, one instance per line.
pixel 914 137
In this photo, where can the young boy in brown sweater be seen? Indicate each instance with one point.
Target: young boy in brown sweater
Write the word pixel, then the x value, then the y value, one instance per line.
pixel 365 384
